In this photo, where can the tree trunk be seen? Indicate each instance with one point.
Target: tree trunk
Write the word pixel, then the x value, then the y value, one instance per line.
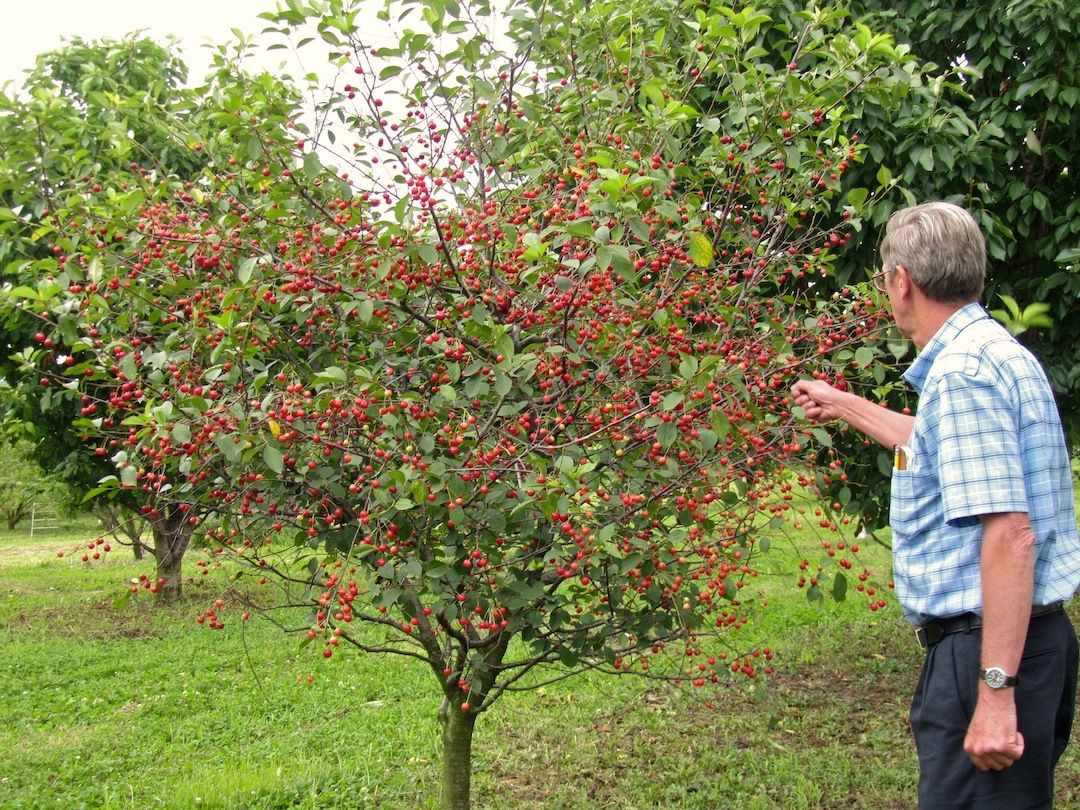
pixel 16 514
pixel 171 532
pixel 457 735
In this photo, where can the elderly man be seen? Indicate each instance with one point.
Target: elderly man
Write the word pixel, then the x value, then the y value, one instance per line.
pixel 985 546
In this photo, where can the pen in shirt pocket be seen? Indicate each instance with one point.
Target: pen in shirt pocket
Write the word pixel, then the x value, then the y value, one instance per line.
pixel 902 457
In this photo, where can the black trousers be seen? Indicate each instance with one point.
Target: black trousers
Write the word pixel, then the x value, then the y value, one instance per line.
pixel 944 703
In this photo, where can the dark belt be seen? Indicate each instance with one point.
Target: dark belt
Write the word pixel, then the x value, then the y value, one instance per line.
pixel 935 630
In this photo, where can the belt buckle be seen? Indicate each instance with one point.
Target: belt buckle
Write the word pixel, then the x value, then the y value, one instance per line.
pixel 920 636
pixel 929 634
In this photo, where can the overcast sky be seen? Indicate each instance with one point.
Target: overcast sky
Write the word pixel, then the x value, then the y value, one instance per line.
pixel 31 27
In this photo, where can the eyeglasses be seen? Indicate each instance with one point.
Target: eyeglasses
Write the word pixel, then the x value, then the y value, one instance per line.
pixel 878 280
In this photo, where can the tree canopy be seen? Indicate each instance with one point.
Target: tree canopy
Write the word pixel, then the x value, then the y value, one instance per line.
pixel 509 394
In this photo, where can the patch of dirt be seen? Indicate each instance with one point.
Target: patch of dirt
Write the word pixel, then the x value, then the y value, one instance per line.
pixel 99 620
pixel 853 700
pixel 29 553
pixel 806 708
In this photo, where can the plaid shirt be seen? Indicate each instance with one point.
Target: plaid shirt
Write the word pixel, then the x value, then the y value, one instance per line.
pixel 987 438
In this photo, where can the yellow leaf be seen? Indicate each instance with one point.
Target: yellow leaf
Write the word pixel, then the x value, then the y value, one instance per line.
pixel 275 428
pixel 700 249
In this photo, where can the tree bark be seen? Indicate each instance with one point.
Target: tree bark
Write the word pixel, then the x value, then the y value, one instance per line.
pixel 16 513
pixel 171 532
pixel 457 735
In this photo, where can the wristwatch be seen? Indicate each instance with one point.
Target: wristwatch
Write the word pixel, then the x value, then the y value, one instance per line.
pixel 996 678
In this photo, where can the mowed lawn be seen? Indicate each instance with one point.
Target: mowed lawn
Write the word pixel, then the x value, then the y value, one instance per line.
pixel 113 704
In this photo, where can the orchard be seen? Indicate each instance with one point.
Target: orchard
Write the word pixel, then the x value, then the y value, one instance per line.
pixel 490 369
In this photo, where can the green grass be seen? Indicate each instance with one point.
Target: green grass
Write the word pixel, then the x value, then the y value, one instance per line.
pixel 140 707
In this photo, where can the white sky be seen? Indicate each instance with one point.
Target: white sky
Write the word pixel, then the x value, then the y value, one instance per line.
pixel 31 27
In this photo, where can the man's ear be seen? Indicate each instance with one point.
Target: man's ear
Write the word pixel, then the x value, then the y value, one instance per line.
pixel 902 280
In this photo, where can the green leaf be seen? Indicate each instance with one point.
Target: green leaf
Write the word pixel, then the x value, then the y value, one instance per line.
pixel 163 413
pixel 823 437
pixel 622 261
pixel 364 310
pixel 1033 142
pixel 857 196
pixel 708 439
pixel 245 269
pixel 329 376
pixel 688 367
pixel 671 401
pixel 128 367
pixel 480 314
pixel 925 157
pixel 312 166
pixel 129 476
pixel 273 459
pixel 667 433
pixel 1068 256
pixel 839 587
pixel 229 448
pixel 1035 310
pixel 1011 304
pixel 535 249
pixel 654 93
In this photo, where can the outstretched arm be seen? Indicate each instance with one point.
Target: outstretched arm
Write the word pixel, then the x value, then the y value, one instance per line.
pixel 823 402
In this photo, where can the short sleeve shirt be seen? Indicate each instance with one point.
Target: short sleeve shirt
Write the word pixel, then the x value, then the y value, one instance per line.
pixel 987 439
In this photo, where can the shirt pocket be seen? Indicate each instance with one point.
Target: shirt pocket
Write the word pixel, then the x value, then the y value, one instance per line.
pixel 914 503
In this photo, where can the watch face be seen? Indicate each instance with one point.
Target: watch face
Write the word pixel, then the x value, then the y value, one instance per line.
pixel 995 678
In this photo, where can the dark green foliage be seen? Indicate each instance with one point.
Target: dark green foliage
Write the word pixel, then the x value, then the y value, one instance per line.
pixel 994 127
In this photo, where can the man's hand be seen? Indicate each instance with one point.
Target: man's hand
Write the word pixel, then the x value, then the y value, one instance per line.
pixel 822 402
pixel 818 399
pixel 993 742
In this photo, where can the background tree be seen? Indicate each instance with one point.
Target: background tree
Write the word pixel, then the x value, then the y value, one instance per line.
pixel 109 118
pixel 986 119
pixel 87 109
pixel 23 484
pixel 513 401
pixel 995 128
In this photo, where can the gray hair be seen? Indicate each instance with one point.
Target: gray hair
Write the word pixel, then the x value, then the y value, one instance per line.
pixel 941 247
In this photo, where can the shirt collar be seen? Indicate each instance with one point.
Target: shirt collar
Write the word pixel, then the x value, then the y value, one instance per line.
pixel 919 370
